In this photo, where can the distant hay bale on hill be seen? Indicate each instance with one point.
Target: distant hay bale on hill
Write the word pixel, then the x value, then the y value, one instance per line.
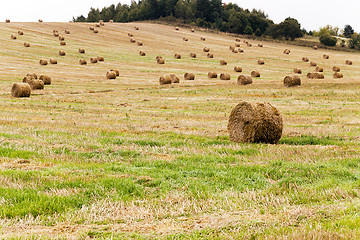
pixel 185 39
pixel 91 28
pixel 67 31
pixel 348 62
pixel 255 123
pixel 132 40
pixel 235 50
pixel 255 74
pixel 260 45
pixel 62 43
pixel 56 34
pixel 237 44
pixel 40 20
pixel 237 40
pixel 244 80
pixel 7 20
pixel 240 50
pixel 286 51
pixel 202 38
pixel 53 61
pixel 136 28
pixel 82 62
pixel 174 78
pixel 231 48
pixel 81 50
pixel 223 62
pixel 338 75
pixel 176 28
pixel 46 79
pixel 210 55
pixel 189 76
pixel 297 71
pixel 192 30
pixel 319 69
pixel 165 79
pixel 96 31
pixel 177 56
pixel 141 53
pixel 26 44
pixel 43 62
pixel 13 37
pixel 117 72
pixel 160 60
pixel 315 47
pixel 305 59
pixel 325 56
pixel 19 90
pixel 61 38
pixel 62 53
pixel 313 64
pixel 111 75
pixel 261 62
pixel 336 69
pixel 212 75
pixel 249 44
pixel 206 49
pixel 139 43
pixel 292 80
pixel 97 24
pixel 130 35
pixel 93 60
pixel 192 55
pixel 237 69
pixel 111 21
pixel 224 76
pixel 100 59
pixel 20 32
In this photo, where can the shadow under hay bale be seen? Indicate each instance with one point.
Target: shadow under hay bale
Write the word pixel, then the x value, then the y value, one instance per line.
pixel 237 69
pixel 255 123
pixel 212 75
pixel 165 79
pixel 19 90
pixel 292 81
pixel 244 80
pixel 255 74
pixel 224 76
pixel 189 76
pixel 46 79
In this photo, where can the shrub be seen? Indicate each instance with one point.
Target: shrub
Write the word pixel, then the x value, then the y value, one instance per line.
pixel 328 40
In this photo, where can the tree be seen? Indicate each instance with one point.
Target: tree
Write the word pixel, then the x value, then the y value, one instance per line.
pixel 328 40
pixel 289 29
pixel 348 31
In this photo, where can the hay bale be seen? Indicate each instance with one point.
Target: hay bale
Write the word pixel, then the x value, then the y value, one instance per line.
pixel 136 28
pixel 174 79
pixel 338 75
pixel 26 44
pixel 212 75
pixel 97 24
pixel 185 39
pixel 36 84
pixel 61 38
pixel 81 50
pixel 237 69
pixel 160 60
pixel 40 20
pixel 249 44
pixel 32 75
pixel 260 45
pixel 177 56
pixel 111 75
pixel 231 48
pixel 261 62
pixel 244 80
pixel 348 62
pixel 235 51
pixel 315 47
pixel 28 78
pixel 139 43
pixel 240 50
pixel 237 40
pixel 101 22
pixel 315 75
pixel 130 35
pixel 96 31
pixel 20 33
pixel 305 59
pixel 189 76
pixel 192 30
pixel 111 21
pixel 46 79
pixel 62 53
pixel 91 28
pixel 193 55
pixel 202 38
pixel 93 60
pixel 19 90
pixel 176 28
pixel 210 55
pixel 224 76
pixel 313 64
pixel 297 71
pixel 223 62
pixel 117 72
pixel 255 123
pixel 7 20
pixel 13 37
pixel 292 80
pixel 62 43
pixel 255 74
pixel 43 62
pixel 100 59
pixel 206 49
pixel 319 69
pixel 53 61
pixel 165 79
pixel 310 75
pixel 286 51
pixel 141 53
pixel 325 56
pixel 82 62
pixel 56 34
pixel 132 40
pixel 336 69
pixel 237 44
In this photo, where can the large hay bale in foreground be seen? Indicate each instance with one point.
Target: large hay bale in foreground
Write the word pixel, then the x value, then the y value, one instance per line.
pixel 212 75
pixel 224 76
pixel 348 62
pixel 210 55
pixel 53 61
pixel 177 56
pixel 223 62
pixel 292 80
pixel 189 76
pixel 81 50
pixel 93 60
pixel 244 80
pixel 305 59
pixel 319 69
pixel 297 71
pixel 174 78
pixel 261 62
pixel 141 53
pixel 193 55
pixel 206 49
pixel 36 84
pixel 338 75
pixel 111 75
pixel 255 73
pixel 26 44
pixel 43 62
pixel 336 69
pixel 20 90
pixel 237 69
pixel 286 51
pixel 165 79
pixel 325 56
pixel 82 62
pixel 46 79
pixel 255 123
pixel 62 53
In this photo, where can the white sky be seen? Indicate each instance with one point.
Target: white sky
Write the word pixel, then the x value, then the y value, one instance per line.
pixel 311 14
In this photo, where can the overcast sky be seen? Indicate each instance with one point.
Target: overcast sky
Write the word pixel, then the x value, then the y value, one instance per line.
pixel 311 14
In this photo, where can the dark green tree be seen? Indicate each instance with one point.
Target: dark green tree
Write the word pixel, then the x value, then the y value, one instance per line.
pixel 348 31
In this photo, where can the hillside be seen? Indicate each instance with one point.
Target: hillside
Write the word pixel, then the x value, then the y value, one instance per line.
pixel 128 158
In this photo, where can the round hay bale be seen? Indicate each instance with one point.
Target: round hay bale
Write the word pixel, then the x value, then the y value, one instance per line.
pixel 255 74
pixel 100 59
pixel 315 47
pixel 237 44
pixel 40 20
pixel 81 50
pixel 348 62
pixel 231 48
pixel 93 60
pixel 235 51
pixel 305 59
pixel 193 55
pixel 132 40
pixel 97 24
pixel 210 55
pixel 240 50
pixel 318 75
pixel 176 28
pixel 261 62
pixel 255 123
pixel 310 75
pixel 174 79
pixel 160 61
pixel 260 45
pixel 212 75
pixel 325 56
pixel 62 43
pixel 313 64
pixel 91 28
pixel 101 22
pixel 177 56
pixel 165 79
pixel 20 33
pixel 82 62
pixel 34 75
pixel 46 79
pixel 338 75
pixel 192 30
pixel 130 35
pixel 206 49
pixel 53 61
pixel 43 62
pixel 111 75
pixel 61 38
pixel 36 84
pixel 223 62
pixel 224 76
pixel 67 31
pixel 136 28
pixel 56 34
pixel 319 69
pixel 286 51
pixel 237 40
pixel 189 76
pixel 297 71
pixel 249 44
pixel 244 80
pixel 292 80
pixel 139 43
pixel 26 44
pixel 336 69
pixel 7 20
pixel 141 53
pixel 185 39
pixel 117 72
pixel 202 38
pixel 19 90
pixel 62 53
pixel 237 69
pixel 96 31
pixel 111 21
pixel 28 78
pixel 13 37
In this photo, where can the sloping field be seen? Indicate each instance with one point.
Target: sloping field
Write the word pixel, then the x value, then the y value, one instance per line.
pixel 89 157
